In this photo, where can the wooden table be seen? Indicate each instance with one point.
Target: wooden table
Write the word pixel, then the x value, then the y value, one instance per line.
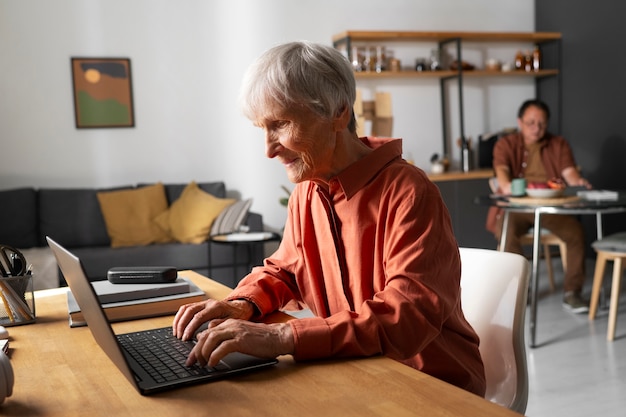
pixel 61 371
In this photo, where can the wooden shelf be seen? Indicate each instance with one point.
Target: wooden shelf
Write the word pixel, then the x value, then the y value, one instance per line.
pixel 487 73
pixel 460 175
pixel 376 36
pixel 365 75
pixel 404 74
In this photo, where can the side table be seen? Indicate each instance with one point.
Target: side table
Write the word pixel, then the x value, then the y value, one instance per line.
pixel 247 240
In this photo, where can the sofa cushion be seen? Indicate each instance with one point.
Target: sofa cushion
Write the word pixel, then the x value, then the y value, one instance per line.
pixel 612 243
pixel 72 217
pixel 18 218
pixel 173 191
pixel 129 215
pixel 231 218
pixel 189 218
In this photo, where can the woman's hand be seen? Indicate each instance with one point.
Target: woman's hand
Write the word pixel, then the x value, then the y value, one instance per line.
pixel 190 316
pixel 225 336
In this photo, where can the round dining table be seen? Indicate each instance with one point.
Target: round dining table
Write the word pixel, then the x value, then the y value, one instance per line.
pixel 572 202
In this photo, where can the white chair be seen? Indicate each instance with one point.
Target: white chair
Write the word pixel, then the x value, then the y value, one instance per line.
pixel 494 289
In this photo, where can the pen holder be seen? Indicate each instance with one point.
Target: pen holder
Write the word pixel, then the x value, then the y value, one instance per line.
pixel 17 300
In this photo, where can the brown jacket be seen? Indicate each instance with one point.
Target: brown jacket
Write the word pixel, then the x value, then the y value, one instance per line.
pixel 556 155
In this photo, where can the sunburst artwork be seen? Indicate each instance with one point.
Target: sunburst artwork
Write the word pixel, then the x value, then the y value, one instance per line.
pixel 102 92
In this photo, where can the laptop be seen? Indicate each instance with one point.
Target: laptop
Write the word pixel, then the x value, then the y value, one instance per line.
pixel 133 353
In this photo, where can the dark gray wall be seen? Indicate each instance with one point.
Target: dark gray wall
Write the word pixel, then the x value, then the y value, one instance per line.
pixel 593 89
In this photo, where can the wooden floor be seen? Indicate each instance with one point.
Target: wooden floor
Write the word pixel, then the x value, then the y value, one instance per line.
pixel 575 371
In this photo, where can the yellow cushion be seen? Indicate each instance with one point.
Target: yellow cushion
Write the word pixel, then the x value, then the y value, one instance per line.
pixel 129 215
pixel 189 219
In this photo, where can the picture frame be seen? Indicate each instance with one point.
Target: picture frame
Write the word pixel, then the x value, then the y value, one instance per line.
pixel 103 94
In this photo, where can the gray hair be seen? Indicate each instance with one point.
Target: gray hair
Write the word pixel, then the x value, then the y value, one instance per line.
pixel 316 76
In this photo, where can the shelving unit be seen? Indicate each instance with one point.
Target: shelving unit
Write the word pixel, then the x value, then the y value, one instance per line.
pixel 365 75
pixel 345 40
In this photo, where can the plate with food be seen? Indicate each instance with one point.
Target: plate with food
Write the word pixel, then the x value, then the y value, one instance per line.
pixel 550 189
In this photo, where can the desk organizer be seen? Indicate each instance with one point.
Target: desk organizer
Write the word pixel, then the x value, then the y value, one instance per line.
pixel 17 302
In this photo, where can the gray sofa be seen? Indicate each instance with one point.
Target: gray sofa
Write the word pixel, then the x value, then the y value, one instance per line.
pixel 72 217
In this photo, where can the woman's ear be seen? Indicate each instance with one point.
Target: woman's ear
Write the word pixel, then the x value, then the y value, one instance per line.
pixel 342 119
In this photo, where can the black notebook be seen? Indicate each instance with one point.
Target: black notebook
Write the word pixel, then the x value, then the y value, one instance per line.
pixel 152 360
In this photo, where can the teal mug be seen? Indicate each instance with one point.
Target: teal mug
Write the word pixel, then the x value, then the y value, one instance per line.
pixel 518 187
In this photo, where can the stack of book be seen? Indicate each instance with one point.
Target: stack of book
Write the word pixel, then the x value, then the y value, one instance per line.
pixel 134 301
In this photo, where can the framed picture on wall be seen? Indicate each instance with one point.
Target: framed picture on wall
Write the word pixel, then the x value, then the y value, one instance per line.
pixel 103 94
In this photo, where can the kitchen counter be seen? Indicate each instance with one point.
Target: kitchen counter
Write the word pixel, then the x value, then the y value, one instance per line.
pixel 460 175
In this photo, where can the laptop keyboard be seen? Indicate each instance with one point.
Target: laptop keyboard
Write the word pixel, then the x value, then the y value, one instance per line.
pixel 163 355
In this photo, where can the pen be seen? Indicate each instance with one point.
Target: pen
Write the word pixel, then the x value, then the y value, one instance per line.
pixel 7 307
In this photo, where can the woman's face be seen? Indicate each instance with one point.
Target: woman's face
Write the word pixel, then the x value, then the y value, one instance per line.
pixel 301 140
pixel 533 124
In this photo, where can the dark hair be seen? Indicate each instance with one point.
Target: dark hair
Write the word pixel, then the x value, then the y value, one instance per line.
pixel 533 102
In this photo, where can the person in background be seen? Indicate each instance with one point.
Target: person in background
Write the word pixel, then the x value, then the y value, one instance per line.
pixel 368 245
pixel 539 156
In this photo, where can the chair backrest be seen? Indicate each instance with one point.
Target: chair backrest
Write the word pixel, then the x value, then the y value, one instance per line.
pixel 494 289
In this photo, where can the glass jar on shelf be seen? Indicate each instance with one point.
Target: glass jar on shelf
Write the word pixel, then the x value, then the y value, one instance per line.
pixel 381 59
pixel 357 58
pixel 536 59
pixel 369 59
pixel 519 60
pixel 435 60
pixel 528 61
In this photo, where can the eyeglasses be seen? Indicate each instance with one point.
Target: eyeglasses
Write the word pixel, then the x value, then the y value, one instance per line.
pixel 533 123
pixel 12 262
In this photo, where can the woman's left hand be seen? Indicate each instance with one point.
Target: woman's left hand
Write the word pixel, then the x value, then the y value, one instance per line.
pixel 225 336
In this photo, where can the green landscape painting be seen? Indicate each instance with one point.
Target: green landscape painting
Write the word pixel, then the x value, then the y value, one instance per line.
pixel 102 92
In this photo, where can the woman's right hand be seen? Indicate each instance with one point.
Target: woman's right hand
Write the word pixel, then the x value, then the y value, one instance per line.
pixel 191 316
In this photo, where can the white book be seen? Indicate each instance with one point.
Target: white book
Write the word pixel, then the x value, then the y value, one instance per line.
pixel 598 195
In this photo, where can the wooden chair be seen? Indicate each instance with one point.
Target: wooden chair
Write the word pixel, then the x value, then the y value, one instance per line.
pixel 494 288
pixel 546 240
pixel 610 248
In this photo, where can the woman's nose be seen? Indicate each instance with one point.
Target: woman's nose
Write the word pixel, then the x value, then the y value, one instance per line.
pixel 272 146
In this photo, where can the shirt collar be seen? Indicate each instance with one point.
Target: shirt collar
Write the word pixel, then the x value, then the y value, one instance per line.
pixel 355 176
pixel 543 142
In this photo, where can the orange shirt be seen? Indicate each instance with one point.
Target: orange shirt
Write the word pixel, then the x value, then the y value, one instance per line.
pixel 376 261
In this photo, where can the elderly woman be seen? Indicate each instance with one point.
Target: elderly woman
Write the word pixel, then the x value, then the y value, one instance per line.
pixel 368 245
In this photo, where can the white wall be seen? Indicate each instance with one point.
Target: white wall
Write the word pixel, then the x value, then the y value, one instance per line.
pixel 187 60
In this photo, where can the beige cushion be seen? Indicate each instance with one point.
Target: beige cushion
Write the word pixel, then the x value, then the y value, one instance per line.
pixel 129 215
pixel 189 218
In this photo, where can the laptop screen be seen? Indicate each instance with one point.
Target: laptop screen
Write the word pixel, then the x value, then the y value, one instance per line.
pixel 87 299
